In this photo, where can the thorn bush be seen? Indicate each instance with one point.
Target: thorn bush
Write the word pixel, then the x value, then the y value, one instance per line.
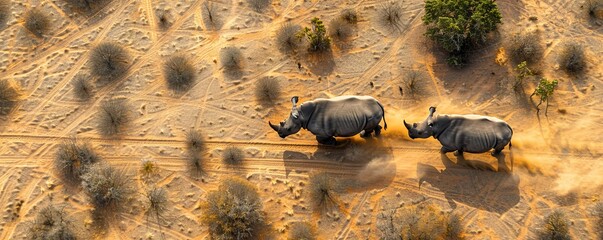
pixel 37 22
pixel 267 90
pixel 232 155
pixel 412 81
pixel 179 73
pixel 163 19
pixel 233 211
pixel 301 230
pixel 286 38
pixel 231 58
pixel 82 88
pixel 572 58
pixel 389 15
pixel 349 15
pixel 555 227
pixel 209 15
pixel 322 192
pixel 74 159
pixel 423 221
pixel 258 5
pixel 108 189
pixel 148 167
pixel 8 97
pixel 51 223
pixel 340 30
pixel 194 141
pixel 526 47
pixel 316 36
pixel 157 202
pixel 109 61
pixel 113 116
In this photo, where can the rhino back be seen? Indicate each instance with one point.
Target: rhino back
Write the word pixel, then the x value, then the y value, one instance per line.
pixel 343 116
pixel 475 133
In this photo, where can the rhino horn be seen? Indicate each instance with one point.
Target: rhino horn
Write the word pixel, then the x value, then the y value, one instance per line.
pixel 275 127
pixel 431 111
pixel 408 126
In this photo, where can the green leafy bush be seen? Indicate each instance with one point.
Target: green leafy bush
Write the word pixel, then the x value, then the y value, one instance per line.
pixel 544 91
pixel 316 36
pixel 523 72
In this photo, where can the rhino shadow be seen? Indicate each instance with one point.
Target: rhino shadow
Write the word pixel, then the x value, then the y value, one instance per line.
pixel 361 164
pixel 487 190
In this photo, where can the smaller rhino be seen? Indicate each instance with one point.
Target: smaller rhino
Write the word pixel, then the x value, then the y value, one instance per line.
pixel 464 133
pixel 343 116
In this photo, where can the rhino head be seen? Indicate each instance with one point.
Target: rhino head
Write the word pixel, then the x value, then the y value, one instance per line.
pixel 292 124
pixel 423 129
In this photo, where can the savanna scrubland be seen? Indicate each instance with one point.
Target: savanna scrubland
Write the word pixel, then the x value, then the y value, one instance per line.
pixel 132 119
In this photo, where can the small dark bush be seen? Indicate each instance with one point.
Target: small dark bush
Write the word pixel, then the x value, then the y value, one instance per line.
pixel 555 227
pixel 209 15
pixel 420 222
pixel 114 115
pixel 82 87
pixel 37 22
pixel 157 202
pixel 231 58
pixel 163 19
pixel 108 188
pixel 179 73
pixel 412 82
pixel 88 6
pixel 52 223
pixel 194 163
pixel 302 231
pixel 258 5
pixel 194 141
pixel 572 58
pixel 4 12
pixel 148 167
pixel 349 15
pixel 322 191
pixel 595 11
pixel 389 15
pixel 8 97
pixel 340 29
pixel 73 159
pixel 267 90
pixel 233 211
pixel 109 61
pixel 316 36
pixel 526 47
pixel 232 155
pixel 286 37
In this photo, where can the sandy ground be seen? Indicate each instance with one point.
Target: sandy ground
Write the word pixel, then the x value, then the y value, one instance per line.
pixel 557 159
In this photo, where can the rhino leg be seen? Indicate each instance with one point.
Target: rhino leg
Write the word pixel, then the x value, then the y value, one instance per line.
pixel 445 150
pixel 326 140
pixel 377 131
pixel 366 133
pixel 458 152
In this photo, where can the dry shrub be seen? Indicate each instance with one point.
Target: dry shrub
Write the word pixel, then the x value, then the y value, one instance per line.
pixel 163 19
pixel 8 97
pixel 233 211
pixel 302 231
pixel 157 202
pixel 37 22
pixel 194 163
pixel 231 58
pixel 286 37
pixel 595 11
pixel 194 141
pixel 88 6
pixel 179 73
pixel 108 189
pixel 51 223
pixel 555 227
pixel 74 159
pixel 412 82
pixel 340 29
pixel 349 15
pixel 572 58
pixel 113 117
pixel 258 5
pixel 526 47
pixel 232 155
pixel 109 61
pixel 82 88
pixel 322 191
pixel 420 222
pixel 599 219
pixel 267 90
pixel 4 12
pixel 209 15
pixel 148 167
pixel 389 15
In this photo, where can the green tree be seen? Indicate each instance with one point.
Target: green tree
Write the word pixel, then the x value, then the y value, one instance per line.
pixel 544 91
pixel 317 36
pixel 522 73
pixel 456 25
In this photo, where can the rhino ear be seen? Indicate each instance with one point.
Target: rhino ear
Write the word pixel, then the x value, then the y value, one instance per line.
pixel 294 100
pixel 431 111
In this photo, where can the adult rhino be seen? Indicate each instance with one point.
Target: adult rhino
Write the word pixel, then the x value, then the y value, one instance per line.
pixel 343 116
pixel 464 133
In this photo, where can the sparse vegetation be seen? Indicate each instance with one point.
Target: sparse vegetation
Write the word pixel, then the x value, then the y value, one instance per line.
pixel 37 22
pixel 526 47
pixel 8 97
pixel 412 82
pixel 179 73
pixel 194 141
pixel 544 91
pixel 258 5
pixel 572 58
pixel 51 223
pixel 148 167
pixel 208 12
pixel 233 211
pixel 340 29
pixel 456 26
pixel 163 19
pixel 267 90
pixel 194 162
pixel 349 15
pixel 599 219
pixel 302 231
pixel 4 12
pixel 419 222
pixel 555 227
pixel 73 159
pixel 389 15
pixel 231 58
pixel 322 191
pixel 107 188
pixel 595 11
pixel 113 116
pixel 88 6
pixel 523 72
pixel 157 202
pixel 109 61
pixel 316 36
pixel 82 88
pixel 286 38
pixel 232 155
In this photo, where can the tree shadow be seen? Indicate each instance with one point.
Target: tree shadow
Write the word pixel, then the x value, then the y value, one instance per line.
pixel 487 190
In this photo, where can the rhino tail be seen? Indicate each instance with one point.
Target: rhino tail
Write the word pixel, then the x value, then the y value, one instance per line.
pixel 383 110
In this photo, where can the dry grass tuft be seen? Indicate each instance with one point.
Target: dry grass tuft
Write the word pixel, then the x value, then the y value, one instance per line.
pixel 157 202
pixel 555 227
pixel 8 97
pixel 163 19
pixel 179 73
pixel 114 115
pixel 210 16
pixel 302 230
pixel 420 222
pixel 51 223
pixel 258 5
pixel 233 211
pixel 340 29
pixel 74 159
pixel 37 22
pixel 526 47
pixel 82 88
pixel 412 82
pixel 349 15
pixel 108 189
pixel 267 90
pixel 194 141
pixel 572 58
pixel 286 37
pixel 88 6
pixel 231 58
pixel 599 219
pixel 389 15
pixel 322 191
pixel 5 12
pixel 109 61
pixel 148 167
pixel 232 155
